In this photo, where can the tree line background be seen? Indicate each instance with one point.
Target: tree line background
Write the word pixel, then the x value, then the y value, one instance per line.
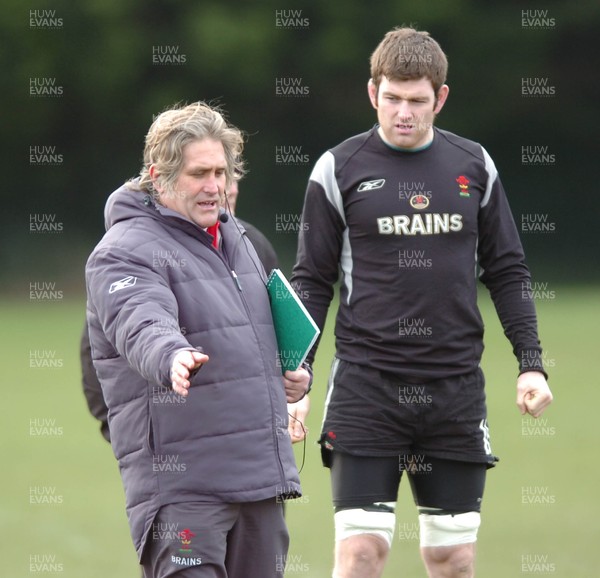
pixel 109 60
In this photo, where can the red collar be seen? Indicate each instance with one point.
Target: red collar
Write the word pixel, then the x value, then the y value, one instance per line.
pixel 214 231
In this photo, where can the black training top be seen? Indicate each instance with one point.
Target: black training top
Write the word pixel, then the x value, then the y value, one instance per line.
pixel 411 231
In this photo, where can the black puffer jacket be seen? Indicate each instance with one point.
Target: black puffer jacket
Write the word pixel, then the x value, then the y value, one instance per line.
pixel 155 286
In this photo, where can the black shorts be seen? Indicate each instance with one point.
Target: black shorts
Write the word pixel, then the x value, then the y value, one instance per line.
pixel 438 486
pixel 373 413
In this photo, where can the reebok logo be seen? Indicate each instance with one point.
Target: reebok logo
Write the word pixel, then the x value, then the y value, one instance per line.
pixel 122 284
pixel 371 185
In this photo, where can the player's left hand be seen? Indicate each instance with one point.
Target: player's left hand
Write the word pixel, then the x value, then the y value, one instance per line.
pixel 296 383
pixel 533 393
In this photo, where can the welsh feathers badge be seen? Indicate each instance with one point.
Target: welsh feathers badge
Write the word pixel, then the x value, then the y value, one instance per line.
pixel 463 183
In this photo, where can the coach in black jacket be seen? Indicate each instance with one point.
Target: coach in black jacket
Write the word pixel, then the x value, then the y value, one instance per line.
pixel 89 381
pixel 183 344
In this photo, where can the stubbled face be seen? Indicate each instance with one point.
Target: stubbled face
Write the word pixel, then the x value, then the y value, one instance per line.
pixel 200 185
pixel 406 110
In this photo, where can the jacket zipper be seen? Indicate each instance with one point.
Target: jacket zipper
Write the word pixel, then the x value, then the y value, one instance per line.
pixel 265 365
pixel 237 281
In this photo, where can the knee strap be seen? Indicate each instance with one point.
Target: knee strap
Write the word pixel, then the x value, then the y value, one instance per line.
pixel 355 521
pixel 448 529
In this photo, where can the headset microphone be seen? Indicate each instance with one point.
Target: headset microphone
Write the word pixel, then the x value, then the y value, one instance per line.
pixel 224 217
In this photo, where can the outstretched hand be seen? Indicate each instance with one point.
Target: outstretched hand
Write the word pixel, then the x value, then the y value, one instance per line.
pixel 184 363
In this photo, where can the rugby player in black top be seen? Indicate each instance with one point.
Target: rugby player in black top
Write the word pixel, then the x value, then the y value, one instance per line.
pixel 412 215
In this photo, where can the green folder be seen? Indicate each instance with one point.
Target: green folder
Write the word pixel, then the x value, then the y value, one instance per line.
pixel 295 329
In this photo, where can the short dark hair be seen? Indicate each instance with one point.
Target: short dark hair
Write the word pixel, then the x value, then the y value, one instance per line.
pixel 409 54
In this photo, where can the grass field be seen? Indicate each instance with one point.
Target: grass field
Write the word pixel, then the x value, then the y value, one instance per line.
pixel 63 507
